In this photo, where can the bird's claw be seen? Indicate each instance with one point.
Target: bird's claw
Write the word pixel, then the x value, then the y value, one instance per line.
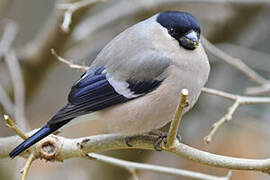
pixel 157 143
pixel 127 140
pixel 162 137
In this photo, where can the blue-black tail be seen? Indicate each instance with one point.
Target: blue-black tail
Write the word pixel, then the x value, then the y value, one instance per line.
pixel 42 133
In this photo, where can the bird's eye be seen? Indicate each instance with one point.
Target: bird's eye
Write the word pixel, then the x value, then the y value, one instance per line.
pixel 172 31
pixel 190 40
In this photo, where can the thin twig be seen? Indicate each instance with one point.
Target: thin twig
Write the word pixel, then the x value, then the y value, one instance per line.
pixel 235 62
pixel 239 100
pixel 177 119
pixel 9 34
pixel 70 64
pixel 6 102
pixel 216 125
pixel 241 66
pixel 133 173
pixel 234 97
pixel 35 56
pixel 256 90
pixel 19 89
pixel 71 8
pixel 31 157
pixel 14 127
pixel 155 168
pixel 27 166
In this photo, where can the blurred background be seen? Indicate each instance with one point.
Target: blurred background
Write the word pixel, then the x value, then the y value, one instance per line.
pixel 240 28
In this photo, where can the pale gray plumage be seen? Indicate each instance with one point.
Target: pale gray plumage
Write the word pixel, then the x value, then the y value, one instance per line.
pixel 133 85
pixel 135 55
pixel 146 51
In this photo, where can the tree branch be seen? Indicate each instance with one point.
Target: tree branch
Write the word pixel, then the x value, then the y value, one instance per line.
pixel 70 8
pixel 235 62
pixel 35 56
pixel 6 102
pixel 64 148
pixel 27 166
pixel 96 22
pixel 19 90
pixel 265 88
pixel 239 100
pixel 49 149
pixel 171 138
pixel 13 126
pixel 59 148
pixel 71 65
pixel 155 168
pixel 31 157
pixel 9 34
pixel 241 66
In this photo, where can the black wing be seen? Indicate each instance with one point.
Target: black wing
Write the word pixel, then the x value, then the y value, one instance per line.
pixel 94 92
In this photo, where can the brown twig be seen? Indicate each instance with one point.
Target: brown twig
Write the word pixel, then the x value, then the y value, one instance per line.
pixel 70 64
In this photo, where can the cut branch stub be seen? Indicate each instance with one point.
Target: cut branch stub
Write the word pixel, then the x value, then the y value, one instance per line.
pixel 48 149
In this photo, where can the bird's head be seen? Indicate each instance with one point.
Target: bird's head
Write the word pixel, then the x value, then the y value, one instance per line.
pixel 181 26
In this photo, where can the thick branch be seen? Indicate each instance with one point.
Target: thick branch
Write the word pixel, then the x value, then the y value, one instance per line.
pixel 71 148
pixel 49 149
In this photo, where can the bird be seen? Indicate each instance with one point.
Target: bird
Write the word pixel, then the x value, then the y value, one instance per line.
pixel 134 82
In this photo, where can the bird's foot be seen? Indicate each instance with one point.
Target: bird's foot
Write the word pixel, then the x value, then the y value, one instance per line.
pixel 162 137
